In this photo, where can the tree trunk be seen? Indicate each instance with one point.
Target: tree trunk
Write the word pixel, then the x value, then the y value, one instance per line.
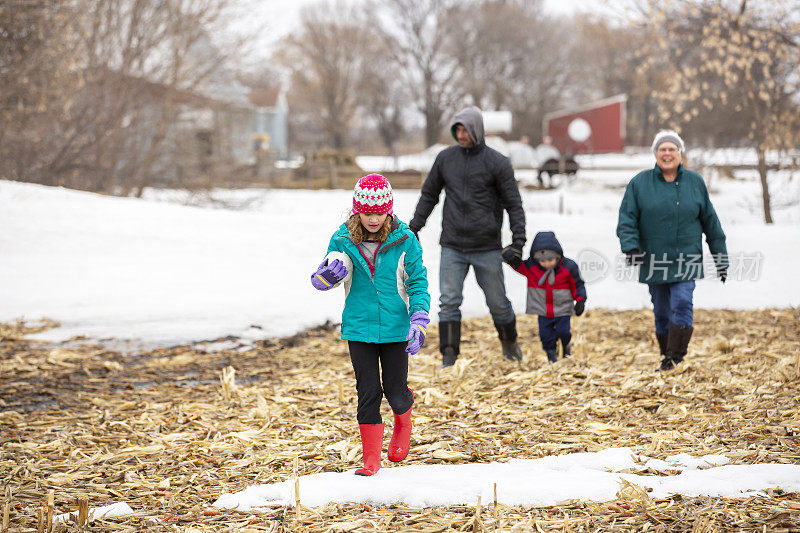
pixel 140 178
pixel 337 140
pixel 431 112
pixel 646 128
pixel 431 130
pixel 762 172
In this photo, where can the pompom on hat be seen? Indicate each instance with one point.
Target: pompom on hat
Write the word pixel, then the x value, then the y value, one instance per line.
pixel 373 195
pixel 668 136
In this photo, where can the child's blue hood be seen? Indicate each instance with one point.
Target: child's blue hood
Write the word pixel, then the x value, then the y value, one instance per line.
pixel 546 240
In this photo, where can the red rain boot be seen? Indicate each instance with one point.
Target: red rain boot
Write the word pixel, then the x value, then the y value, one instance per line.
pixel 401 436
pixel 371 446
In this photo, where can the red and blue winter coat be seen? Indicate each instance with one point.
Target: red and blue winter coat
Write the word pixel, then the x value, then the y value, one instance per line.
pixel 551 294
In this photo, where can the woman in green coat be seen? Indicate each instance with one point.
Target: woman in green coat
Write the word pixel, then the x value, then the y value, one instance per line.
pixel 662 218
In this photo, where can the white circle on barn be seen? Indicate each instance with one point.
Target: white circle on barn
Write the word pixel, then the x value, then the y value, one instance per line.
pixel 579 130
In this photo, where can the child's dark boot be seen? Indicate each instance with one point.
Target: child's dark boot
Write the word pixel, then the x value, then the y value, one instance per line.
pixel 567 349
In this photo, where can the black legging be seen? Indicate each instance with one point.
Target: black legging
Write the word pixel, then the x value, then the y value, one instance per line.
pixel 394 366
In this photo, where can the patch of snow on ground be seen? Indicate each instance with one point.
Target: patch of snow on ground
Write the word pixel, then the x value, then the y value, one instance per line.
pixel 524 482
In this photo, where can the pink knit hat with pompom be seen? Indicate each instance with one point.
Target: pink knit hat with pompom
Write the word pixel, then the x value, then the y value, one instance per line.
pixel 373 195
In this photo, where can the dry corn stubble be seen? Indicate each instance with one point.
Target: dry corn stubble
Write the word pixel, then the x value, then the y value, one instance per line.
pixel 169 430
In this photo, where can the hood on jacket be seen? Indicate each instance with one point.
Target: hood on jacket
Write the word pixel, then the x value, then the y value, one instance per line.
pixel 546 240
pixel 472 119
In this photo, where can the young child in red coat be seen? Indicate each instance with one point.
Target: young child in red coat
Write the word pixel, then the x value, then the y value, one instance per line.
pixel 555 291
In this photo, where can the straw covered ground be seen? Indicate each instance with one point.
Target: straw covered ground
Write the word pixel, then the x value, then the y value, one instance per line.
pixel 169 430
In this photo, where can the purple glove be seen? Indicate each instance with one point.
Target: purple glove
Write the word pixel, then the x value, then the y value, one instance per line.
pixel 417 331
pixel 328 275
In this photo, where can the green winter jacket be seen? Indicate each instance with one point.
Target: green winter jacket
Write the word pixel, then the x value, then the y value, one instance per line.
pixel 666 221
pixel 378 307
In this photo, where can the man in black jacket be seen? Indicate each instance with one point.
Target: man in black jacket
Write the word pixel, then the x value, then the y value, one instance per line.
pixel 479 184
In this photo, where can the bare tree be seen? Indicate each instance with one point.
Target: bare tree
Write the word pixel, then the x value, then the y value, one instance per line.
pixel 107 79
pixel 383 94
pixel 426 38
pixel 325 57
pixel 38 49
pixel 547 79
pixel 495 45
pixel 734 58
pixel 513 56
pixel 169 45
pixel 606 59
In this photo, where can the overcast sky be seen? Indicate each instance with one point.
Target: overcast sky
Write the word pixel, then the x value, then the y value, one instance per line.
pixel 278 17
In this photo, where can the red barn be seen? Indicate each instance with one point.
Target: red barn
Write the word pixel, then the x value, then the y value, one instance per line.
pixel 593 128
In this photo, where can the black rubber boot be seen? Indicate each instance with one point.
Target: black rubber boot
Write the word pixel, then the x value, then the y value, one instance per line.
pixel 677 345
pixel 449 342
pixel 449 357
pixel 508 340
pixel 552 355
pixel 662 343
pixel 666 364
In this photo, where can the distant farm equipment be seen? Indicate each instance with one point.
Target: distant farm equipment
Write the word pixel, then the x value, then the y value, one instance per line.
pixel 337 169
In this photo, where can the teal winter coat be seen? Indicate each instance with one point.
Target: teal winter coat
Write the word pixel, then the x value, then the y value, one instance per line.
pixel 666 221
pixel 378 307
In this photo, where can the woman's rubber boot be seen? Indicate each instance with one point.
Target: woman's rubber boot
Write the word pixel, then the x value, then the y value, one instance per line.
pixel 371 446
pixel 401 436
pixel 677 345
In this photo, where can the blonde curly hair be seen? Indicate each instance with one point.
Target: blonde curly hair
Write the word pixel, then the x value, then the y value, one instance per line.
pixel 358 233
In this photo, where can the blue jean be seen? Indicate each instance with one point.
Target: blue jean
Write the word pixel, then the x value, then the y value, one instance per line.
pixel 488 268
pixel 553 329
pixel 672 302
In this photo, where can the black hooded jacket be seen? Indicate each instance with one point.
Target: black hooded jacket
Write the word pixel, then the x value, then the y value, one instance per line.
pixel 479 184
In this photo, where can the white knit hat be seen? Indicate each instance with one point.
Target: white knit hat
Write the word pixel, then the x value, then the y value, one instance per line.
pixel 668 136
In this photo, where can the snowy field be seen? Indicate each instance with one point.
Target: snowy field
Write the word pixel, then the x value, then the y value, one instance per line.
pixel 155 272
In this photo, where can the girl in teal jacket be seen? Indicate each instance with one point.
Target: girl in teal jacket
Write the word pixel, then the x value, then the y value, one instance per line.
pixel 662 219
pixel 379 261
